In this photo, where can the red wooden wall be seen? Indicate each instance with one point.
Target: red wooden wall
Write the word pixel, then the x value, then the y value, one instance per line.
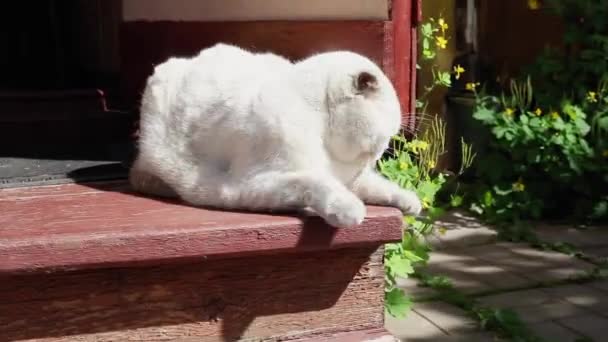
pixel 388 43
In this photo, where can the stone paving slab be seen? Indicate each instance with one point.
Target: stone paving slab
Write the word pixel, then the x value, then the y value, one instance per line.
pixel 517 299
pixel 546 304
pixel 504 266
pixel 413 328
pixel 592 326
pixel 536 265
pixel 591 237
pixel 583 296
pixel 553 332
pixel 448 318
pixel 462 230
pixel 598 255
pixel 468 255
pixel 471 275
pixel 449 324
pixel 601 285
pixel 413 289
pixel 549 311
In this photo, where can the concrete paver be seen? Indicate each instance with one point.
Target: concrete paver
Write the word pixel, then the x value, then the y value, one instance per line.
pixel 411 287
pixel 536 265
pixel 553 332
pixel 469 256
pixel 413 327
pixel 591 325
pixel 517 299
pixel 448 318
pixel 584 296
pixel 601 285
pixel 592 237
pixel 549 311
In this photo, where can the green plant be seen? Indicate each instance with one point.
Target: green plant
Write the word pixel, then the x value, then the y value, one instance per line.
pixel 434 281
pixel 505 322
pixel 413 165
pixel 540 162
pixel 433 37
pixel 576 72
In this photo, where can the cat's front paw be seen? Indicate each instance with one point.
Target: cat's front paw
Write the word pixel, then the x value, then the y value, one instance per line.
pixel 345 211
pixel 409 203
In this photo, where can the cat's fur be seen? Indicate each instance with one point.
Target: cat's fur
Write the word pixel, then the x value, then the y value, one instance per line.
pixel 237 130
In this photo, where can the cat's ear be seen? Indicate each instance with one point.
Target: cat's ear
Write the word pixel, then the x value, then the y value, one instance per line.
pixel 365 82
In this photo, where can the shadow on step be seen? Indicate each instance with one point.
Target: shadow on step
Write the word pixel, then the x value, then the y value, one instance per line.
pixel 210 300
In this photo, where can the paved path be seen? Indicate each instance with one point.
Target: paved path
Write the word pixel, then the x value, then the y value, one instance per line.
pixel 536 284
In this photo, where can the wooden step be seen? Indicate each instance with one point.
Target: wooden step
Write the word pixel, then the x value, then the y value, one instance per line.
pixel 97 262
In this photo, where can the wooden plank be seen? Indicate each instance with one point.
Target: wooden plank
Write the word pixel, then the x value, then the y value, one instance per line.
pixel 388 60
pixel 402 40
pixel 416 20
pixel 101 225
pixel 293 39
pixel 306 296
pixel 247 10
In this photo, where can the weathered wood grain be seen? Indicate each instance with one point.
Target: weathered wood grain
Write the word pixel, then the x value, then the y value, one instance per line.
pixel 278 297
pixel 402 16
pixel 74 226
pixel 293 39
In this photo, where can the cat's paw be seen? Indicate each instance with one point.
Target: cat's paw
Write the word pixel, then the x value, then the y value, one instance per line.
pixel 409 203
pixel 345 211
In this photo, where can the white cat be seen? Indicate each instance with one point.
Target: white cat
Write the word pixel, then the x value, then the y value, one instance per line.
pixel 236 130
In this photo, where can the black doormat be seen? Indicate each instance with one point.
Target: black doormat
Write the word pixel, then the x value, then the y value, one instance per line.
pixel 46 165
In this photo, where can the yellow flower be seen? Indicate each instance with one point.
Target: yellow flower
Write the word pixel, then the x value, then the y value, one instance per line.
pixel 442 230
pixel 533 4
pixel 458 70
pixel 538 112
pixel 444 26
pixel 509 111
pixel 605 153
pixel 403 165
pixel 592 96
pixel 425 203
pixel 555 115
pixel 431 164
pixel 442 43
pixel 471 86
pixel 519 186
pixel 418 145
pixel 423 145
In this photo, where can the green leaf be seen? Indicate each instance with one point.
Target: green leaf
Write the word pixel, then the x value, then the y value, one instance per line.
pixel 524 119
pixel 427 29
pixel 456 201
pixel 582 126
pixel 535 122
pixel 444 78
pixel 412 256
pixel 392 248
pixel 488 199
pixel 485 115
pixel 399 266
pixel 435 213
pixel 499 131
pixel 397 304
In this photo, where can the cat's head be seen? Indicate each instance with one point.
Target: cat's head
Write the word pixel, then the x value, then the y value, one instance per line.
pixel 363 108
